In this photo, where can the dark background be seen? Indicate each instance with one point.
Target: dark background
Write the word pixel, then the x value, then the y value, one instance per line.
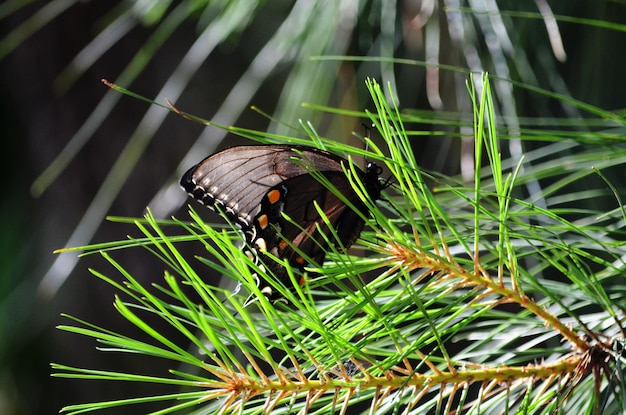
pixel 38 118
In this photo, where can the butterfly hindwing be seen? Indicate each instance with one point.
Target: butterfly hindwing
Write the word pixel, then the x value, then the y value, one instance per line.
pixel 301 223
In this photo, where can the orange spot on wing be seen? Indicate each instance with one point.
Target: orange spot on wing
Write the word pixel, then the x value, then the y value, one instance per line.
pixel 273 196
pixel 262 221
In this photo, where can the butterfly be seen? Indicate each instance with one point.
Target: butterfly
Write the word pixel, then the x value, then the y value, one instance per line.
pixel 270 191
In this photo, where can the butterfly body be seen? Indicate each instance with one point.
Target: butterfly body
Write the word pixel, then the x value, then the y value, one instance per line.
pixel 274 192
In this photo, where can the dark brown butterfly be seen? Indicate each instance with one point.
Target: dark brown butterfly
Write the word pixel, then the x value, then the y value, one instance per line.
pixel 271 190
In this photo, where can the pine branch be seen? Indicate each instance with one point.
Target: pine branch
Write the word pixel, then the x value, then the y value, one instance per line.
pixel 445 324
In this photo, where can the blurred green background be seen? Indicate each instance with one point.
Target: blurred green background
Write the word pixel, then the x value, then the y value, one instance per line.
pixel 74 151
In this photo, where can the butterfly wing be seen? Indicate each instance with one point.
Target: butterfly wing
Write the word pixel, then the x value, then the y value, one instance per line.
pixel 298 234
pixel 255 185
pixel 237 178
